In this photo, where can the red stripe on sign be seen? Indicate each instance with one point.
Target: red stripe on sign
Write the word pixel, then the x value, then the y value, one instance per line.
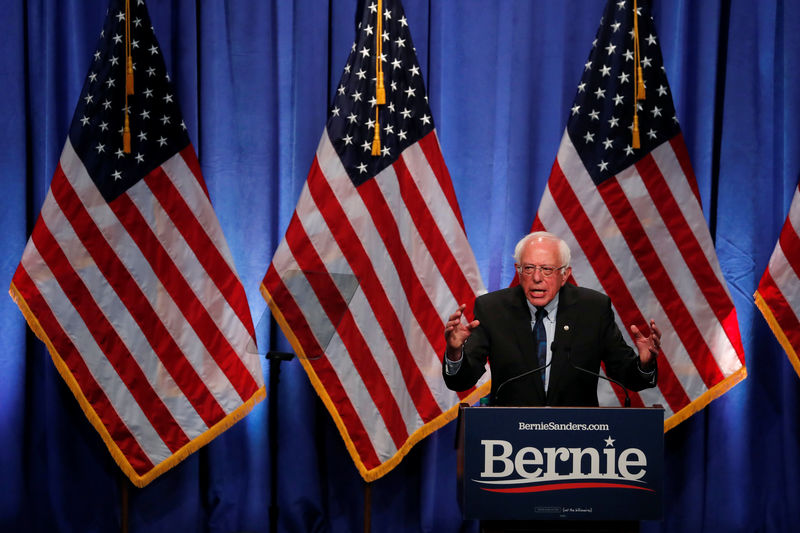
pixel 192 309
pixel 340 316
pixel 608 276
pixel 568 486
pixel 91 390
pixel 659 281
pixel 207 253
pixel 135 301
pixel 361 264
pixel 106 336
pixel 354 426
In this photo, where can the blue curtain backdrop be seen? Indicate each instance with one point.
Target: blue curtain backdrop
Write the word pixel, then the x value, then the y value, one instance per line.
pixel 253 80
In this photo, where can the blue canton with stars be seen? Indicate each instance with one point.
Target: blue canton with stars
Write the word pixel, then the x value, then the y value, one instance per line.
pixel 601 119
pixel 406 116
pixel 157 129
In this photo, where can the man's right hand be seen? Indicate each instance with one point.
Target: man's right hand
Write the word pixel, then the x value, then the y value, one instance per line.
pixel 456 333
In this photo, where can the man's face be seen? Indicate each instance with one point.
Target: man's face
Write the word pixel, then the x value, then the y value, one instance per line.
pixel 540 289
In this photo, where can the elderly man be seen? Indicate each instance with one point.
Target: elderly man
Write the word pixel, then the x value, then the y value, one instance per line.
pixel 544 338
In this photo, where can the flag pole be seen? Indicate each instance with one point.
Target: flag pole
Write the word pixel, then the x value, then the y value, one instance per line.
pixel 367 506
pixel 274 359
pixel 124 485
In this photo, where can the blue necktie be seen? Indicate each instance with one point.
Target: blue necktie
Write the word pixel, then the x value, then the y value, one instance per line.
pixel 540 340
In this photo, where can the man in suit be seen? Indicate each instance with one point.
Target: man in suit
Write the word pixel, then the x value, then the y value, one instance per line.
pixel 544 323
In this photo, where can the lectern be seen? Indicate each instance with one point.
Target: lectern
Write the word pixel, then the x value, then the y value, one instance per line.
pixel 561 465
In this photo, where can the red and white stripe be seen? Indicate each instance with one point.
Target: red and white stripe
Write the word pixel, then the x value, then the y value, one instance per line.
pixel 640 237
pixel 362 284
pixel 778 294
pixel 142 308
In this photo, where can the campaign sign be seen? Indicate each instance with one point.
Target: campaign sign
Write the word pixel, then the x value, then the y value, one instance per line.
pixel 550 463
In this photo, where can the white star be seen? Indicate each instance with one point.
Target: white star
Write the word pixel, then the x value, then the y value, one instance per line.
pixel 652 134
pixel 603 166
pixel 364 52
pixel 600 93
pixel 396 64
pixel 114 60
pixel 387 14
pixel 370 124
pixel 606 70
pixel 92 77
pixel 347 68
pixel 581 87
pixel 628 150
pixel 609 441
pixel 106 104
pixel 608 143
pixel 162 141
pixel 385 151
pixel 356 96
pixel 368 29
pixel 148 93
pixel 403 21
pixel 103 126
pixel 366 146
pixel 383 57
pixel 153 50
pixel 341 89
pixel 405 112
pixel 373 8
pixel 623 78
pixel 110 82
pixel 352 118
pixel 137 22
pixel 142 136
pixel 119 153
pixel 618 99
pixel 575 109
pixel 661 90
pixel 613 122
pixel 589 137
pixel 362 168
pixel 139 158
pixel 164 120
pixel 621 4
pixel 117 175
pixel 595 115
pixel 388 128
pixel 628 55
pixel 401 43
pixel 168 98
pixel 151 71
pixel 120 16
pixel 362 74
pixel 335 111
pixel 610 49
pixel 390 106
pixel 587 65
pixel 84 120
pixel 410 92
pixel 656 111
pixel 425 119
pixel 646 61
pixel 651 39
pixel 145 114
pixel 615 26
pixel 117 38
pixel 347 140
pixel 414 71
pixel 100 148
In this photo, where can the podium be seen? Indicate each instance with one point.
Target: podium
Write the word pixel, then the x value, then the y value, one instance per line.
pixel 566 467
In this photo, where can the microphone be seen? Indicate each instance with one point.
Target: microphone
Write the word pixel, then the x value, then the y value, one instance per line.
pixel 595 374
pixel 519 376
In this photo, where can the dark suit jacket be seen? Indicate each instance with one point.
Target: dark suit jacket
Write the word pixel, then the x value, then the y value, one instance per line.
pixel 585 328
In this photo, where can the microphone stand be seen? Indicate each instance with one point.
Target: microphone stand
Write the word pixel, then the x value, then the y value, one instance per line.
pixel 595 374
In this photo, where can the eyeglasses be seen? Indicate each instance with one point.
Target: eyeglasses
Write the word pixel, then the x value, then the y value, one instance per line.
pixel 547 271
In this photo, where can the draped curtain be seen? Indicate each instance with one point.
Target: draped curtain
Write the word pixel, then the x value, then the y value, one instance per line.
pixel 254 80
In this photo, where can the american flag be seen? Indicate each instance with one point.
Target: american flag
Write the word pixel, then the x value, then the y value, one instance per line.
pixel 375 256
pixel 778 294
pixel 633 219
pixel 127 277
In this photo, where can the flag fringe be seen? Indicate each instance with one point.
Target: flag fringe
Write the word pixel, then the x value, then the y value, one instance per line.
pixel 386 466
pixel 777 330
pixel 706 398
pixel 181 454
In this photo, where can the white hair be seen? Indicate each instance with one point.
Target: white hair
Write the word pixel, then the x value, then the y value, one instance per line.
pixel 563 247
